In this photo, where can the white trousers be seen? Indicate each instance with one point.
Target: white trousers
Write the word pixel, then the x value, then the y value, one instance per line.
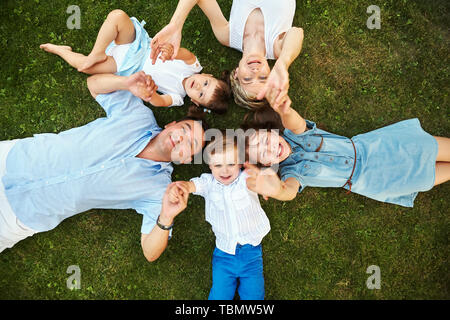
pixel 11 229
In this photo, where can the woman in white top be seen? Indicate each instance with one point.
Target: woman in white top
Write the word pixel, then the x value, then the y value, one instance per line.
pixel 261 29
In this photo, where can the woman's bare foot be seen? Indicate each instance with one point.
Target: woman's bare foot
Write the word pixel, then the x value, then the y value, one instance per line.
pixel 53 48
pixel 92 59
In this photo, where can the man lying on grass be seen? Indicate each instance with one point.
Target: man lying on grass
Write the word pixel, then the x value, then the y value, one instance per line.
pixel 120 161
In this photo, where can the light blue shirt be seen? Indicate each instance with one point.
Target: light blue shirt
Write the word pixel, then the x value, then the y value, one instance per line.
pixel 50 177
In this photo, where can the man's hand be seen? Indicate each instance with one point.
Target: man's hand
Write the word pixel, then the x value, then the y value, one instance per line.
pixel 170 34
pixel 174 201
pixel 278 81
pixel 263 181
pixel 141 85
pixel 184 185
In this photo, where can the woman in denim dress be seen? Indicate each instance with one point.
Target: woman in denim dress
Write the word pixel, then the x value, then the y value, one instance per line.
pixel 391 164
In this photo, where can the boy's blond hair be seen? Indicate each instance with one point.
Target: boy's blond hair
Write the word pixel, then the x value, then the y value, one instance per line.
pixel 221 144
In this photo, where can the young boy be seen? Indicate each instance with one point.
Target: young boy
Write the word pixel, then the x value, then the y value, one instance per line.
pixel 238 222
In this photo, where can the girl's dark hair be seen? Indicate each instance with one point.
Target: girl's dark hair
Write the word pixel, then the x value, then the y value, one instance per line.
pixel 221 95
pixel 262 118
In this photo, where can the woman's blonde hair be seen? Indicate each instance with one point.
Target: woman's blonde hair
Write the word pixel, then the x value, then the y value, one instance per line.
pixel 242 98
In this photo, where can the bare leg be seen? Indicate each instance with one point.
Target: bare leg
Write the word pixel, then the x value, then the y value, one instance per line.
pixel 118 27
pixel 443 149
pixel 442 172
pixel 76 60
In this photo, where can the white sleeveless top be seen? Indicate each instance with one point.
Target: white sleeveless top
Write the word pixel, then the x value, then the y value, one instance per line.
pixel 278 18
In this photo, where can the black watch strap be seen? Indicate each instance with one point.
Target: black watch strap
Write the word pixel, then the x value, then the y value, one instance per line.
pixel 163 226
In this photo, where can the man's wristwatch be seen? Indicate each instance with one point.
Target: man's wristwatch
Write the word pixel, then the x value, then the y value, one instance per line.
pixel 163 226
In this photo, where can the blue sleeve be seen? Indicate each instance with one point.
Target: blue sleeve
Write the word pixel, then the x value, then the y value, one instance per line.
pixel 150 213
pixel 150 208
pixel 122 102
pixel 290 172
pixel 312 128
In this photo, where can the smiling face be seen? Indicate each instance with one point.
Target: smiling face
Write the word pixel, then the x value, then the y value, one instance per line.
pixel 252 73
pixel 225 165
pixel 200 88
pixel 267 148
pixel 181 140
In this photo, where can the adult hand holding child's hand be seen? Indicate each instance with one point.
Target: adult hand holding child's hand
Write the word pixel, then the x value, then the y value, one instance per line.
pixel 277 82
pixel 141 85
pixel 282 107
pixel 262 181
pixel 170 34
pixel 166 52
pixel 174 201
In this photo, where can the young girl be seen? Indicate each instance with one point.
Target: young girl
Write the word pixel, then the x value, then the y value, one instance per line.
pixel 238 221
pixel 391 164
pixel 123 47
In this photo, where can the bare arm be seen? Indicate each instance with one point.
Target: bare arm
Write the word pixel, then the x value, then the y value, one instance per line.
pixel 140 84
pixel 267 183
pixel 106 83
pixel 219 23
pixel 154 243
pixel 291 46
pixel 160 100
pixel 290 118
pixel 171 33
pixel 187 56
pixel 279 76
pixel 288 190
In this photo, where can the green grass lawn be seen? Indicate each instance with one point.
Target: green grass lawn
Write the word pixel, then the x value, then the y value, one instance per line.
pixel 348 79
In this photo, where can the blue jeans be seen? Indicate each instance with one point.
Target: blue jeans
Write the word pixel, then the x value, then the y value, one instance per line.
pixel 246 266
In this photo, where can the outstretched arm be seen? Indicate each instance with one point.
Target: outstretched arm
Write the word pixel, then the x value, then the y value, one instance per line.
pixel 140 84
pixel 266 183
pixel 183 54
pixel 154 243
pixel 279 76
pixel 171 33
pixel 290 118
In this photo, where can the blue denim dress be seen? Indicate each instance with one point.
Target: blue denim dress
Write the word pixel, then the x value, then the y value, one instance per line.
pixel 393 163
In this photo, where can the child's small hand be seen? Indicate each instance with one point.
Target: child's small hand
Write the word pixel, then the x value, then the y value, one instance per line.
pixel 185 184
pixel 169 34
pixel 262 181
pixel 278 81
pixel 166 52
pixel 169 209
pixel 174 195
